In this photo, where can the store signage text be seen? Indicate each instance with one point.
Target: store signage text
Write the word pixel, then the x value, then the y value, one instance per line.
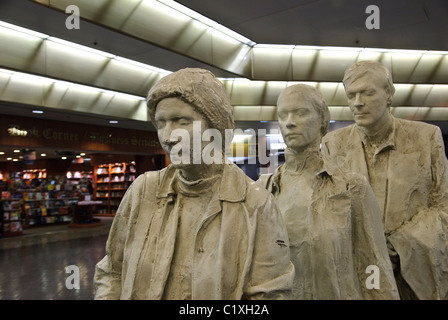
pixel 17 132
pixel 51 134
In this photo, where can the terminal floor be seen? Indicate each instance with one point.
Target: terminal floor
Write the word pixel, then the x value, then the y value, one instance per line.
pixel 33 266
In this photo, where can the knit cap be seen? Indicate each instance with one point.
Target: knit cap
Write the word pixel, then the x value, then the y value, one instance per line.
pixel 199 88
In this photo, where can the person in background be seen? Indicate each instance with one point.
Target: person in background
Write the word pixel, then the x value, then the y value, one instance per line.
pixel 406 166
pixel 194 230
pixel 333 220
pixel 90 187
pixel 35 182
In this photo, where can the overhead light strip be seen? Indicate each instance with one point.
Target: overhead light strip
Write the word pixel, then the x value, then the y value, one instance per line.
pixel 45 80
pixel 209 22
pixel 86 49
pixel 23 30
pixel 347 49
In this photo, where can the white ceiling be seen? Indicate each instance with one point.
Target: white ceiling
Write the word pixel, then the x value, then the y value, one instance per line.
pixel 404 24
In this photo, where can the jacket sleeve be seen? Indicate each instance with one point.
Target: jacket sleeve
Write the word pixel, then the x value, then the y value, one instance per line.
pixel 422 243
pixel 272 272
pixel 108 271
pixel 372 257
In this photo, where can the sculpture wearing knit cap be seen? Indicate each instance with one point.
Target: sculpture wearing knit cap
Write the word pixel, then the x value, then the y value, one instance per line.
pixel 200 89
pixel 194 231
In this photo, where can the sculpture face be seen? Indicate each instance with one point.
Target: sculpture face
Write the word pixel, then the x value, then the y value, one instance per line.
pixel 299 122
pixel 175 121
pixel 368 99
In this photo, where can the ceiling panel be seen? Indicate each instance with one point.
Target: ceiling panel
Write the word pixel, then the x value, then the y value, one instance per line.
pixel 133 29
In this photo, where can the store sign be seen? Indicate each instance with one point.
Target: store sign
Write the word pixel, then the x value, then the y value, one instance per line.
pixel 17 132
pixel 32 133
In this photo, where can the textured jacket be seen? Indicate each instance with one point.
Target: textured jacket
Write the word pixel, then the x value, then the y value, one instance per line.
pixel 346 237
pixel 415 216
pixel 242 242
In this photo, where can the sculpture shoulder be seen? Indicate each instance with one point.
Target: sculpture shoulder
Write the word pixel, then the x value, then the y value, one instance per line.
pixel 256 191
pixel 150 179
pixel 264 180
pixel 338 134
pixel 416 128
pixel 257 196
pixel 346 177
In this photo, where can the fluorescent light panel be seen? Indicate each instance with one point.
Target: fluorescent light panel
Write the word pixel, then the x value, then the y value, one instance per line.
pixel 23 30
pixel 88 89
pixel 88 50
pixel 209 22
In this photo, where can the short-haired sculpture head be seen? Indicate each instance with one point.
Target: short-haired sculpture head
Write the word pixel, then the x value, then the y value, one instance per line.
pixel 303 92
pixel 377 69
pixel 199 88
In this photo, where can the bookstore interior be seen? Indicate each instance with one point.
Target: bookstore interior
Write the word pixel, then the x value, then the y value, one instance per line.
pixel 37 197
pixel 49 186
pixel 101 70
pixel 46 181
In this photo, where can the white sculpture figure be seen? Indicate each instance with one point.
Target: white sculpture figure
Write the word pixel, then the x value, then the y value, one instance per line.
pixel 406 165
pixel 194 230
pixel 333 220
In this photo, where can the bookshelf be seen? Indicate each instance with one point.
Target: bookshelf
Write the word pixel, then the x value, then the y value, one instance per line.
pixel 11 211
pixel 111 182
pixel 43 208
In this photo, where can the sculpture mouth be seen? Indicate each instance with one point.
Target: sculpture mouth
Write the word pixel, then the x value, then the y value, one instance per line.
pixel 291 135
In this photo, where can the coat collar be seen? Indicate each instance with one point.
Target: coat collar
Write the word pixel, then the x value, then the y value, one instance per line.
pixel 326 171
pixel 388 142
pixel 232 186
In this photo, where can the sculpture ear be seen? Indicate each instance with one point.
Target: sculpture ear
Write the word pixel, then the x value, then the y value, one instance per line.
pixel 389 102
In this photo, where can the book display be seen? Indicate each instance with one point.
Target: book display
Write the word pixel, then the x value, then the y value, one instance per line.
pixel 11 222
pixel 111 182
pixel 35 198
pixel 41 208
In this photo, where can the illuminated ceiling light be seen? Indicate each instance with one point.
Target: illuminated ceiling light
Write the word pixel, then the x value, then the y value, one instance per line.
pixel 1 153
pixel 81 47
pixel 24 30
pixel 274 46
pixel 330 49
pixel 113 121
pixel 43 154
pixel 141 65
pixel 83 88
pixel 88 50
pixel 9 158
pixel 16 151
pixel 37 111
pixel 64 158
pixel 209 22
pixel 15 160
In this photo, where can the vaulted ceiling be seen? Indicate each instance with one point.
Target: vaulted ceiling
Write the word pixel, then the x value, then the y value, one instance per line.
pixel 270 45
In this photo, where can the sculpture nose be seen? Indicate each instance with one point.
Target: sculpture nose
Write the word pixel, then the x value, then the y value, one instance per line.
pixel 290 122
pixel 358 101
